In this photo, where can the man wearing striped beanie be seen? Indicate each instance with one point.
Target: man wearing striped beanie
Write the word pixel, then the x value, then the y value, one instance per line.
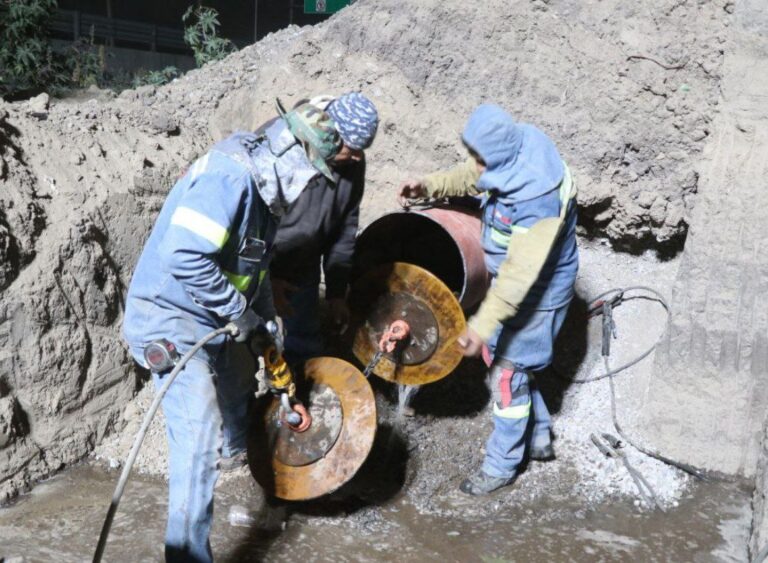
pixel 318 232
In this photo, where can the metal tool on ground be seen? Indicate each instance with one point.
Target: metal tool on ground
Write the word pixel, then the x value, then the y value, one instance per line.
pixel 609 332
pixel 407 323
pixel 610 447
pixel 302 465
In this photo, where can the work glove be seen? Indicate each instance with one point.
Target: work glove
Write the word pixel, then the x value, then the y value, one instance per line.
pixel 271 333
pixel 246 324
pixel 410 191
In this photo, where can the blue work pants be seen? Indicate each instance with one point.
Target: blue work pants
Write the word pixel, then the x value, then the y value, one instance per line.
pixel 205 412
pixel 521 345
pixel 304 338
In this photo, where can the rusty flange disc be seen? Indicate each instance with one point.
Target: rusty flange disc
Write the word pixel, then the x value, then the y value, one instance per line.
pixel 302 448
pixel 294 466
pixel 404 291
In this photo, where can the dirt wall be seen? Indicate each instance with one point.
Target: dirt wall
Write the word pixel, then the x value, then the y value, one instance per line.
pixel 627 91
pixel 707 401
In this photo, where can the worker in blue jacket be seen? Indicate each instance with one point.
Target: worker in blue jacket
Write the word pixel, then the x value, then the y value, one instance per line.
pixel 205 266
pixel 529 238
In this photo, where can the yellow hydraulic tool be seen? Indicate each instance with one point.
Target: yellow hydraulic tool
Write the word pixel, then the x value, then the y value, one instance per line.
pixel 279 379
pixel 279 375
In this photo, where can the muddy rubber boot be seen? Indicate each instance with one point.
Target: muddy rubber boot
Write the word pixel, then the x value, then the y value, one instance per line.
pixel 480 483
pixel 546 453
pixel 228 464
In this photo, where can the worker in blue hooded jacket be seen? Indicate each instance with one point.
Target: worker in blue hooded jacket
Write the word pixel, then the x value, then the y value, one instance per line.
pixel 203 267
pixel 529 237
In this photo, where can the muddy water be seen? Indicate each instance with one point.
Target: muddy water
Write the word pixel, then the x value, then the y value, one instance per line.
pixel 60 521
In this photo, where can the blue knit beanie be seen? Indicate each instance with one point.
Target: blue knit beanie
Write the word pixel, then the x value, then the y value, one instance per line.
pixel 356 119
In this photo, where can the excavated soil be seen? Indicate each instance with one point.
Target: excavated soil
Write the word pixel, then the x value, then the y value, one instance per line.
pixel 426 456
pixel 627 92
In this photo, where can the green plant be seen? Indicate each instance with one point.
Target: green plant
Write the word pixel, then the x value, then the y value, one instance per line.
pixel 27 62
pixel 201 33
pixel 155 77
pixel 85 63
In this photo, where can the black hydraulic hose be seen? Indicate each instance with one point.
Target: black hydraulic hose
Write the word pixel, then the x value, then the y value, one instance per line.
pixel 690 469
pixel 655 296
pixel 609 373
pixel 142 432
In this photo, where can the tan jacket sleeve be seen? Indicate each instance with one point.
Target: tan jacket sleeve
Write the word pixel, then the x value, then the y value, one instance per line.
pixel 526 256
pixel 459 180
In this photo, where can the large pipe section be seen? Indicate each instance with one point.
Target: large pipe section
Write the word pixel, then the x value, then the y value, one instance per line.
pixel 443 240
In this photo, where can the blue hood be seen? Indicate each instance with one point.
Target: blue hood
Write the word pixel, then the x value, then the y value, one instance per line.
pixel 522 162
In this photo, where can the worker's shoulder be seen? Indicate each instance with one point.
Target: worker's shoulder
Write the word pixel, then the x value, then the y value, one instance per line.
pixel 217 168
pixel 228 159
pixel 530 211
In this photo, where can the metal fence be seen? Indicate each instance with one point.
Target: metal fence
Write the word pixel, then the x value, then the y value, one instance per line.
pixel 71 24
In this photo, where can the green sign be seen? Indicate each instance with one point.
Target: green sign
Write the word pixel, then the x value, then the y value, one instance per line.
pixel 325 6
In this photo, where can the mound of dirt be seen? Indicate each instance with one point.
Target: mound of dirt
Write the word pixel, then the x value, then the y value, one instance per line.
pixel 626 91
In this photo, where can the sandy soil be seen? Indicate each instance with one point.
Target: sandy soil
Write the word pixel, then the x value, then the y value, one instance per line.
pixel 429 454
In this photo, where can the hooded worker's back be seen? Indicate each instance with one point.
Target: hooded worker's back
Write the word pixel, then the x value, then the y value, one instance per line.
pixel 521 186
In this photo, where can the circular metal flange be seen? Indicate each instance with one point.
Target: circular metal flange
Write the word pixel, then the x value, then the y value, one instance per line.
pixel 302 448
pixel 301 474
pixel 387 284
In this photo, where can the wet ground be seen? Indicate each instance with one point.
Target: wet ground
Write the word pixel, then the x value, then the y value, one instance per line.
pixel 60 521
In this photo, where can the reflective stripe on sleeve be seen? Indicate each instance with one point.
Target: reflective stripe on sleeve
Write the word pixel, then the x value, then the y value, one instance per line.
pixel 502 239
pixel 241 283
pixel 499 238
pixel 201 225
pixel 514 412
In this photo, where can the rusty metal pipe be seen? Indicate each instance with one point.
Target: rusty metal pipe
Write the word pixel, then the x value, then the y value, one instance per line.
pixel 443 240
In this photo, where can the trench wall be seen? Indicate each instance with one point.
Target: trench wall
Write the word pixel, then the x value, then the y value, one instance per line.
pixel 708 400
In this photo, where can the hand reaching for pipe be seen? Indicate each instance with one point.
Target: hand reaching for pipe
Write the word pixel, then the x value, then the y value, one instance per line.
pixel 471 343
pixel 410 190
